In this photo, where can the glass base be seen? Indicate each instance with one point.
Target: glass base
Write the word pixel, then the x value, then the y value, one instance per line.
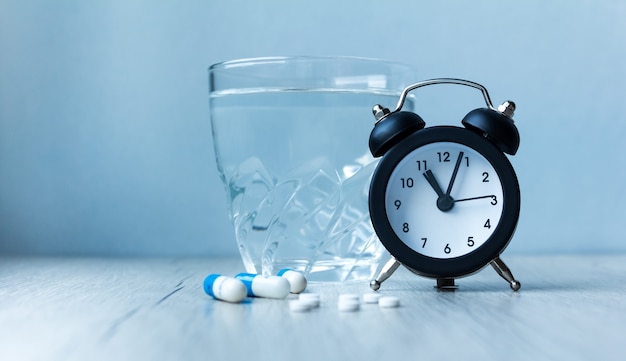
pixel 344 270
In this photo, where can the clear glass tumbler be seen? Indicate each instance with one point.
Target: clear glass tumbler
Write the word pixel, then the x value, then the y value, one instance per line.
pixel 291 141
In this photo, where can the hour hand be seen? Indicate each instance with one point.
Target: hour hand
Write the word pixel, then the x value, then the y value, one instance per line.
pixel 444 201
pixel 430 177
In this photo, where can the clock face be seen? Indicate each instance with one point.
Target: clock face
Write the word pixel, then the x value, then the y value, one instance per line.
pixel 444 200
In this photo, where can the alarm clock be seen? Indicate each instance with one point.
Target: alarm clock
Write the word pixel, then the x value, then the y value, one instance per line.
pixel 444 200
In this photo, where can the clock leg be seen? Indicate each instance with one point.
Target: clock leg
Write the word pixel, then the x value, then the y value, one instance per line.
pixel 505 273
pixel 446 284
pixel 388 269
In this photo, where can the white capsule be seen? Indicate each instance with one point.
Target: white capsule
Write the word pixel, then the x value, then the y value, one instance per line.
pixel 268 287
pixel 224 288
pixel 296 279
pixel 389 302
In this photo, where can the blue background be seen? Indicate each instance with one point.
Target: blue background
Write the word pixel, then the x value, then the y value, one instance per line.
pixel 105 140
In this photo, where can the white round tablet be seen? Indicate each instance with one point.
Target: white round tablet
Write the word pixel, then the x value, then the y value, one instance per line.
pixel 389 302
pixel 311 303
pixel 348 305
pixel 312 299
pixel 371 297
pixel 349 297
pixel 298 306
pixel 309 295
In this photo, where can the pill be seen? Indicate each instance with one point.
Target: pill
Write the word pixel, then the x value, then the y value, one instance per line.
pixel 295 278
pixel 311 299
pixel 224 288
pixel 268 287
pixel 348 297
pixel 348 305
pixel 309 295
pixel 371 297
pixel 299 306
pixel 389 302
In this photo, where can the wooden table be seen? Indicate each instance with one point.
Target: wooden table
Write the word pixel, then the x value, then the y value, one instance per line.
pixel 569 308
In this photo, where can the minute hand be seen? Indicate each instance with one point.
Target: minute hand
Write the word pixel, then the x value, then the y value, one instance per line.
pixel 456 170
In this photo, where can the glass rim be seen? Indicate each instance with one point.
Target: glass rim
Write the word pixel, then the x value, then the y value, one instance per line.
pixel 243 62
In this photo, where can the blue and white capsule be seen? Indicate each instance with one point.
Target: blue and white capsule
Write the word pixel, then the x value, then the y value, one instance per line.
pixel 224 288
pixel 297 281
pixel 267 287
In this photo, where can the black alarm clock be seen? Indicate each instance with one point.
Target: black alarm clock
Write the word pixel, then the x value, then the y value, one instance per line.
pixel 444 200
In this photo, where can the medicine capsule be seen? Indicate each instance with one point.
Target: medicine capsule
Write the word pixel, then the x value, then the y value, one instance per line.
pixel 224 288
pixel 268 287
pixel 296 279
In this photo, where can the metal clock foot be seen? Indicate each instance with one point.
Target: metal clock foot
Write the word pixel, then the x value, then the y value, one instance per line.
pixel 505 273
pixel 388 269
pixel 446 284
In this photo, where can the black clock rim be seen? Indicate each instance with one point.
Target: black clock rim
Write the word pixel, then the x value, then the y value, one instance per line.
pixel 462 265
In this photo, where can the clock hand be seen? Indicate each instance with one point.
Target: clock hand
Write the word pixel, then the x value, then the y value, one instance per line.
pixel 444 201
pixel 454 173
pixel 473 198
pixel 430 177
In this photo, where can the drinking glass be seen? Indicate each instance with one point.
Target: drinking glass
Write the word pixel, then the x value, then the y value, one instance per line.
pixel 291 143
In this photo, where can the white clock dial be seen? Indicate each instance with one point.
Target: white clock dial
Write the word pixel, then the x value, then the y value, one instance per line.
pixel 434 217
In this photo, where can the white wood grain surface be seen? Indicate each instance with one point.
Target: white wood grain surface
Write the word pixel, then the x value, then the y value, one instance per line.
pixel 569 308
